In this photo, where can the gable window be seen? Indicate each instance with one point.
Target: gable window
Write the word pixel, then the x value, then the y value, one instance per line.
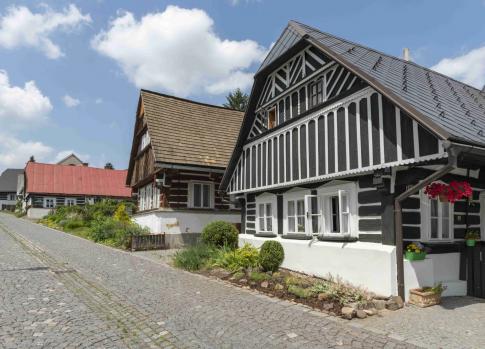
pixel 316 92
pixel 70 201
pixel 437 219
pixel 271 118
pixel 201 195
pixel 49 202
pixel 144 141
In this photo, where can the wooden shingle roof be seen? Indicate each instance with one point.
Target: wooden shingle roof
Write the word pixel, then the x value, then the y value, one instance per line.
pixel 190 133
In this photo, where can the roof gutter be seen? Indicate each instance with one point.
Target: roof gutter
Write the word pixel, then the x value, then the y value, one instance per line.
pixel 452 164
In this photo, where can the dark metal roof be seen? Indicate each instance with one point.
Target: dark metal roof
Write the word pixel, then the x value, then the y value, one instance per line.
pixel 8 180
pixel 457 108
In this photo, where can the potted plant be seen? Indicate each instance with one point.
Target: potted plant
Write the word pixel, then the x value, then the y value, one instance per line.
pixel 471 238
pixel 415 252
pixel 449 192
pixel 426 296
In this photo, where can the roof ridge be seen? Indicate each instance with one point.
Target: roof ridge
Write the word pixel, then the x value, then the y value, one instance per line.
pixel 189 100
pixel 296 23
pixel 73 166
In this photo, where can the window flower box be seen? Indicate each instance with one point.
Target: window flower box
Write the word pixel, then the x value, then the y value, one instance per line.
pixel 449 192
pixel 415 256
pixel 471 238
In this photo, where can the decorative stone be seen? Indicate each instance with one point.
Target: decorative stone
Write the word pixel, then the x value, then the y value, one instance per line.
pixel 394 303
pixel 348 313
pixel 354 305
pixel 328 306
pixel 379 304
pixel 279 287
pixel 371 311
pixel 265 284
pixel 243 281
pixel 361 314
pixel 322 296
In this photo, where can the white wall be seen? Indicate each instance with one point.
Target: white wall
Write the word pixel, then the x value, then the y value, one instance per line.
pixel 37 213
pixel 176 222
pixel 7 202
pixel 369 265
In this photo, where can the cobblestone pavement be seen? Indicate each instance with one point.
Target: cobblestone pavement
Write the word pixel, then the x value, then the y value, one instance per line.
pixel 459 322
pixel 102 297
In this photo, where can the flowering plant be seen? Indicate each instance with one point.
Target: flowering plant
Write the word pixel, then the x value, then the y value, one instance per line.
pixel 451 193
pixel 415 247
pixel 472 235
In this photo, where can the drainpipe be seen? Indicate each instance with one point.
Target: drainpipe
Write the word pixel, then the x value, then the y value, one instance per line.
pixel 452 164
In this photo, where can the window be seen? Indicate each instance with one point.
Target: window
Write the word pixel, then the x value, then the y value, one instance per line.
pixel 49 203
pixel 437 219
pixel 271 118
pixel 296 216
pixel 148 197
pixel 201 195
pixel 70 201
pixel 316 92
pixel 265 218
pixel 144 141
pixel 11 197
pixel 337 214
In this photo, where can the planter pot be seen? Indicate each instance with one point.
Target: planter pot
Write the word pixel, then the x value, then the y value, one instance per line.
pixel 471 243
pixel 423 299
pixel 443 197
pixel 413 256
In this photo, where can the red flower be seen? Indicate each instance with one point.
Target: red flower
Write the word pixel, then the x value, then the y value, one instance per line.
pixel 453 192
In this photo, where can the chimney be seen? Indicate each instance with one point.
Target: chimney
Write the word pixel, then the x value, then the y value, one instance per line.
pixel 405 54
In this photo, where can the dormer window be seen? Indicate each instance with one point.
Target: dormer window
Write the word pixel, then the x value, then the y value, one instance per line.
pixel 144 141
pixel 316 92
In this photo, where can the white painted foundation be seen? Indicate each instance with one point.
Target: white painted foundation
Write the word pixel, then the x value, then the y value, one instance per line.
pixel 436 268
pixel 177 222
pixel 369 265
pixel 37 213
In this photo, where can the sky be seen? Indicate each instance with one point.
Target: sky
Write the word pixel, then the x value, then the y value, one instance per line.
pixel 71 71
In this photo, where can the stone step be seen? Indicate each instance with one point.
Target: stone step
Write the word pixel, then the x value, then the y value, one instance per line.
pixel 454 288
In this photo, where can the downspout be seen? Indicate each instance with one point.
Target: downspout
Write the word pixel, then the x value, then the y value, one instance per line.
pixel 452 164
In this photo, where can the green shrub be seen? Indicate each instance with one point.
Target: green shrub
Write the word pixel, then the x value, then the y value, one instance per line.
pixel 258 276
pixel 121 215
pixel 297 281
pixel 300 292
pixel 341 292
pixel 194 257
pixel 271 255
pixel 71 224
pixel 240 259
pixel 220 233
pixel 238 275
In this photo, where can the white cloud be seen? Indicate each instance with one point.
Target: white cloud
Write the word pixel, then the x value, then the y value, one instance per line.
pixel 177 50
pixel 15 152
pixel 20 27
pixel 22 104
pixel 468 68
pixel 98 101
pixel 70 102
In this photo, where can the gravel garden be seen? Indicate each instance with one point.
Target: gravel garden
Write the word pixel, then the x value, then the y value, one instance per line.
pixel 217 255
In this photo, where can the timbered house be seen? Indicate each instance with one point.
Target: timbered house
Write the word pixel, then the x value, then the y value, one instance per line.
pixel 49 186
pixel 334 151
pixel 179 152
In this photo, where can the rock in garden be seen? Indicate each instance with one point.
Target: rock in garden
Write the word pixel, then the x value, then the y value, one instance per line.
pixel 265 284
pixel 371 311
pixel 328 306
pixel 348 313
pixel 243 281
pixel 322 296
pixel 253 283
pixel 354 305
pixel 379 304
pixel 394 303
pixel 361 314
pixel 279 287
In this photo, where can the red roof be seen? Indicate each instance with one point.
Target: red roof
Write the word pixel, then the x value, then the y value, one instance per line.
pixel 75 180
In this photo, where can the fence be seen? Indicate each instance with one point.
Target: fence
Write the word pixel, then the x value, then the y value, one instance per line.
pixel 148 242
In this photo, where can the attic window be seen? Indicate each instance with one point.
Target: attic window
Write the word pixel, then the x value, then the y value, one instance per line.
pixel 144 141
pixel 271 118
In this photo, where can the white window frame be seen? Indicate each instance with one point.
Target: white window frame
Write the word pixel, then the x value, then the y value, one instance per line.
pixel 426 220
pixel 144 141
pixel 267 199
pixel 325 193
pixel 295 195
pixel 70 202
pixel 46 199
pixel 211 194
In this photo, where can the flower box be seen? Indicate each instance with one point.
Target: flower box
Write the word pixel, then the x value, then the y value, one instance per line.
pixel 470 242
pixel 424 299
pixel 414 256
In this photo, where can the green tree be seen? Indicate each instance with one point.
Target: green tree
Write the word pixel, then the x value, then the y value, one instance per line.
pixel 237 100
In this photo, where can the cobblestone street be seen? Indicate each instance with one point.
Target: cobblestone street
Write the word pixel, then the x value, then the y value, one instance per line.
pixel 60 291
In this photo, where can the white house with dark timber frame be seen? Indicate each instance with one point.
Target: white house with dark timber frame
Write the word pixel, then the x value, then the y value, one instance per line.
pixel 336 137
pixel 179 153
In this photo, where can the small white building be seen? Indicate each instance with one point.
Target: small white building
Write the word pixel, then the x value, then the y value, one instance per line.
pixel 8 188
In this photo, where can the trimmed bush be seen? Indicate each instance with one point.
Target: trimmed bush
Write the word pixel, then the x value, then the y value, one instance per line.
pixel 220 233
pixel 271 255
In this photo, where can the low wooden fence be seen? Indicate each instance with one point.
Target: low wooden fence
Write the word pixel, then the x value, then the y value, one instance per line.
pixel 148 242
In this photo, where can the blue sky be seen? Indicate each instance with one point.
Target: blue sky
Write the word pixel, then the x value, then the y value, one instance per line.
pixel 74 68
